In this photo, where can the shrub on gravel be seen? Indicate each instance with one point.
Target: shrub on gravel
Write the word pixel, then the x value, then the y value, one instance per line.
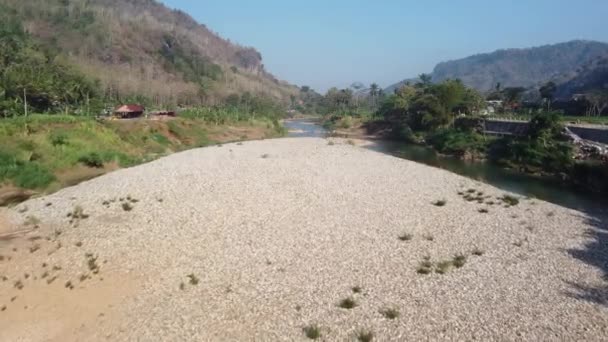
pixel 440 203
pixel 389 313
pixel 459 260
pixel 406 237
pixel 477 252
pixel 312 332
pixel 425 267
pixel 510 200
pixel 347 303
pixel 193 280
pixel 443 267
pixel 365 336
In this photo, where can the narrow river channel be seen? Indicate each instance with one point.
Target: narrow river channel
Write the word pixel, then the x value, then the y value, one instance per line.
pixel 509 180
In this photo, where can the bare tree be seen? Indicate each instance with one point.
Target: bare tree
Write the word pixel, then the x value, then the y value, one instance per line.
pixel 598 101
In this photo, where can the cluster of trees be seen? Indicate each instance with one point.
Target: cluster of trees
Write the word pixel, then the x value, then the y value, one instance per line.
pixel 255 105
pixel 189 63
pixel 426 106
pixel 356 100
pixel 33 79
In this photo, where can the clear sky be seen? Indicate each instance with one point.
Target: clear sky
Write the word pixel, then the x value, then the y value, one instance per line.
pixel 325 43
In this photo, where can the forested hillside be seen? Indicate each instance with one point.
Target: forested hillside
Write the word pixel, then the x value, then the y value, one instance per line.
pixel 94 53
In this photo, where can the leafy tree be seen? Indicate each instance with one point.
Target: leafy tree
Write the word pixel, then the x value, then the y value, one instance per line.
pixel 397 106
pixel 428 112
pixel 429 107
pixel 545 127
pixel 450 94
pixel 472 101
pixel 338 100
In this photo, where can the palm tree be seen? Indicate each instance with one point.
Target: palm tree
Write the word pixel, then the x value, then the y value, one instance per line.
pixel 373 93
pixel 425 79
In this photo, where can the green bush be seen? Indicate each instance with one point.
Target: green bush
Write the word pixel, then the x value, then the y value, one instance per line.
pixel 92 159
pixel 161 139
pixel 469 124
pixel 23 174
pixel 33 176
pixel 452 141
pixel 58 139
pixel 532 155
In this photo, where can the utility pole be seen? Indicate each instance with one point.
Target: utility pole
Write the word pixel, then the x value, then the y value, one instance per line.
pixel 25 101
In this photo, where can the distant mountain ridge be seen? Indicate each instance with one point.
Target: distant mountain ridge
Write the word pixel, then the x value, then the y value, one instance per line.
pixel 528 67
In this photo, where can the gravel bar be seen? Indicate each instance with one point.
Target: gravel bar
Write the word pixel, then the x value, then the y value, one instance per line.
pixel 256 241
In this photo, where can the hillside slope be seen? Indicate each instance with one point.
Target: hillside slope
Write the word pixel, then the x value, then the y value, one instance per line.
pixel 521 67
pixel 142 48
pixel 590 76
pixel 526 67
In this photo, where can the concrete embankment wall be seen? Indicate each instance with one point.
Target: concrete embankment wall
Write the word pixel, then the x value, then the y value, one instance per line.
pixel 507 127
pixel 591 133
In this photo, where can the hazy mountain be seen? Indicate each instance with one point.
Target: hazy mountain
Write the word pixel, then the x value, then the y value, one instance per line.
pixel 141 47
pixel 590 76
pixel 390 89
pixel 526 67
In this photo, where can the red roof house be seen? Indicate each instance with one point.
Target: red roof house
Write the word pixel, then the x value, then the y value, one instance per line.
pixel 129 111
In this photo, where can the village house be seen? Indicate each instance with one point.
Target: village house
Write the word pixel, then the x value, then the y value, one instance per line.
pixel 129 111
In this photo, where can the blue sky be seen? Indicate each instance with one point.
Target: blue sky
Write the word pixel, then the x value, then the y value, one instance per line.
pixel 325 43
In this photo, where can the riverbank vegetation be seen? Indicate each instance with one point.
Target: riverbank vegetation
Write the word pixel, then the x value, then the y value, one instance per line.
pixel 47 152
pixel 447 116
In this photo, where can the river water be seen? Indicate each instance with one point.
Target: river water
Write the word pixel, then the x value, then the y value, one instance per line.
pixel 509 180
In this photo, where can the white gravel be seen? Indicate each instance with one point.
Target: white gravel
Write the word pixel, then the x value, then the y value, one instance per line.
pixel 279 231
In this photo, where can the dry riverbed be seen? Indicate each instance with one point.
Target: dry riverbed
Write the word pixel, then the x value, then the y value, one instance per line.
pixel 293 239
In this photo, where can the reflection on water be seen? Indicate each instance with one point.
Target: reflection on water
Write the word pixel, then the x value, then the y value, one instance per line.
pixel 509 180
pixel 304 128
